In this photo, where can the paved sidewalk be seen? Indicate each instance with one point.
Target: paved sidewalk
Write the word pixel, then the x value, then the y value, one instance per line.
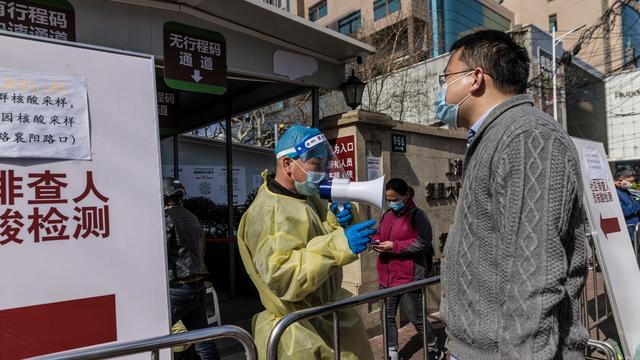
pixel 410 343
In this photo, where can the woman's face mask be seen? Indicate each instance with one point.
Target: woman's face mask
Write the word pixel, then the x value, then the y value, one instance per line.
pixel 448 113
pixel 396 205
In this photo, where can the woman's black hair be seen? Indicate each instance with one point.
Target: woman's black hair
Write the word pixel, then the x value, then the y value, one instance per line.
pixel 400 186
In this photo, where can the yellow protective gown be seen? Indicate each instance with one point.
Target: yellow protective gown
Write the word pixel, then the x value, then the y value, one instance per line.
pixel 293 250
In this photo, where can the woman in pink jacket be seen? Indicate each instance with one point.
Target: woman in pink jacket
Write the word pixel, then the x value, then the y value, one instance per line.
pixel 403 240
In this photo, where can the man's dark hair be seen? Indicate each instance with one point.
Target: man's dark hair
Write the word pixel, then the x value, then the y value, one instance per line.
pixel 499 56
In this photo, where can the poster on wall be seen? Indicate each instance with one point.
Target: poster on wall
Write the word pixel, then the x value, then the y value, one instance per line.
pixel 374 167
pixel 211 182
pixel 239 185
pixel 44 116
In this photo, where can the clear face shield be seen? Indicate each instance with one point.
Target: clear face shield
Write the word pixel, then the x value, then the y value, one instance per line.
pixel 318 156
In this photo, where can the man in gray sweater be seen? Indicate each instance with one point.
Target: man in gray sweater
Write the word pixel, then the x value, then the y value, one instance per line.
pixel 515 260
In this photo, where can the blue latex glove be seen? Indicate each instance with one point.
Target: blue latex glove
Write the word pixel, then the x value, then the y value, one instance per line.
pixel 358 235
pixel 345 218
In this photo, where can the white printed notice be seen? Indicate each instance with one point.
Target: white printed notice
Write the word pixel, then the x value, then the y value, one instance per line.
pixel 43 116
pixel 595 164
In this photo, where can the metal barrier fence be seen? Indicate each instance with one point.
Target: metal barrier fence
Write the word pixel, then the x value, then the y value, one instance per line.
pixel 382 295
pixel 333 308
pixel 598 302
pixel 599 299
pixel 153 345
pixel 604 347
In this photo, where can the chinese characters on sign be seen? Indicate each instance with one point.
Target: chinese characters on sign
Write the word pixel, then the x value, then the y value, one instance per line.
pixel 168 107
pixel 595 163
pixel 600 192
pixel 194 59
pixel 43 116
pixel 345 150
pixel 398 143
pixel 53 19
pixel 166 100
pixel 34 207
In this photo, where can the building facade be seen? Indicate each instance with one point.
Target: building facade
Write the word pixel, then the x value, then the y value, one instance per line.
pixel 454 19
pixel 295 7
pixel 607 50
pixel 432 24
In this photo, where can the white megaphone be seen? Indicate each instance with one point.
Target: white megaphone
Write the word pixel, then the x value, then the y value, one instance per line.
pixel 343 190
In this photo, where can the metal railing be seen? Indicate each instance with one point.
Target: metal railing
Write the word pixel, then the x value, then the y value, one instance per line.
pixel 382 295
pixel 153 345
pixel 604 347
pixel 334 308
pixel 598 303
pixel 599 300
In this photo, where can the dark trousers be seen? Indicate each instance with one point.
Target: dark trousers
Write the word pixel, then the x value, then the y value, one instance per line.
pixel 187 304
pixel 412 305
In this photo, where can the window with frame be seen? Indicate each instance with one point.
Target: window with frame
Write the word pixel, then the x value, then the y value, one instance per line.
pixel 350 24
pixel 382 8
pixel 553 22
pixel 318 10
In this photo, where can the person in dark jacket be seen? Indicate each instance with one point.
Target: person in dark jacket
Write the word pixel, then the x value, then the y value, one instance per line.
pixel 404 240
pixel 630 206
pixel 187 271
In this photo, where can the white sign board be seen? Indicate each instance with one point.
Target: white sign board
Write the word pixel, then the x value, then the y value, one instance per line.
pixel 82 244
pixel 613 245
pixel 374 167
pixel 211 182
pixel 43 116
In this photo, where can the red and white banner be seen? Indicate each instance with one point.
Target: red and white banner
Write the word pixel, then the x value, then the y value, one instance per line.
pixel 82 249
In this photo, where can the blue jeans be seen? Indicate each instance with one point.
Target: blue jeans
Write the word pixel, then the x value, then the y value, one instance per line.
pixel 187 304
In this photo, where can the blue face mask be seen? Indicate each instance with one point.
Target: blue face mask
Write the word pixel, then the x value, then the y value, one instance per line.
pixel 311 184
pixel 396 205
pixel 448 113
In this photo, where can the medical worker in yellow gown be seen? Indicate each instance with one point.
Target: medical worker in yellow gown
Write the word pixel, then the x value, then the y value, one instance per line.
pixel 293 246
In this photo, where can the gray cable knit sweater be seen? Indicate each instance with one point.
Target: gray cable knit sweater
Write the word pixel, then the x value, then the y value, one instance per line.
pixel 515 261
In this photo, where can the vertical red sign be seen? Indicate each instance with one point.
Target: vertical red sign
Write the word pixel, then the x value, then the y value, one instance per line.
pixel 345 149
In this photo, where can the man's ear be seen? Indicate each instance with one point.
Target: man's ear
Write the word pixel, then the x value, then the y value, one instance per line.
pixel 478 80
pixel 286 165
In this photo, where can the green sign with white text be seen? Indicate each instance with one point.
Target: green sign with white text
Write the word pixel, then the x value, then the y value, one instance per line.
pixel 195 59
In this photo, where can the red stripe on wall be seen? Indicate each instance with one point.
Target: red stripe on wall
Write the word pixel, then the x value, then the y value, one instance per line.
pixel 48 328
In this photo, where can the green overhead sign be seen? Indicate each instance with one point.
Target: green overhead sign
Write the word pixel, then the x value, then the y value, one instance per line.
pixel 195 59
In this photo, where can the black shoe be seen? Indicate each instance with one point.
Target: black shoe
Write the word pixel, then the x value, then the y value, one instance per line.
pixel 435 353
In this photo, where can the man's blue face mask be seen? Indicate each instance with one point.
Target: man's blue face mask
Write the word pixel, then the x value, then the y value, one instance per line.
pixel 311 184
pixel 448 113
